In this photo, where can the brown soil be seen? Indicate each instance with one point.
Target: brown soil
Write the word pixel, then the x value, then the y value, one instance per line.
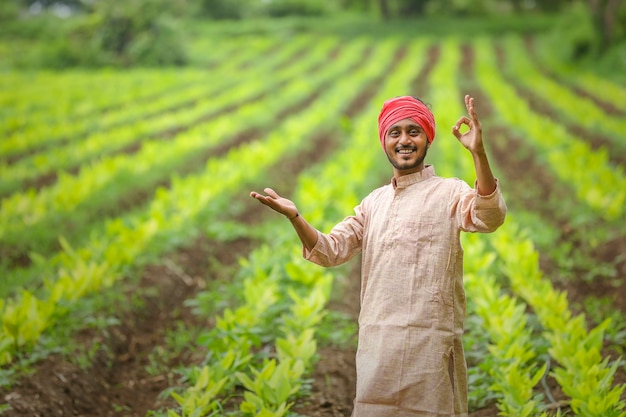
pixel 117 382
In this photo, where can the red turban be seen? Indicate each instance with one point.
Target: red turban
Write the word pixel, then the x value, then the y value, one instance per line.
pixel 405 107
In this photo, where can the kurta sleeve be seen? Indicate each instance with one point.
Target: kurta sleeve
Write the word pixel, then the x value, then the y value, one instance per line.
pixel 480 213
pixel 341 244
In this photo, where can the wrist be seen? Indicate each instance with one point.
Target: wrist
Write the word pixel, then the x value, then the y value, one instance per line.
pixel 294 217
pixel 478 152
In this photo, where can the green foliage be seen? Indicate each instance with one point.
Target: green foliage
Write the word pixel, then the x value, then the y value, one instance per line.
pixel 297 347
pixel 600 309
pixel 337 329
pixel 44 28
pixel 282 8
pixel 268 392
pixel 573 36
pixel 199 400
pixel 134 32
pixel 583 374
pixel 283 297
pixel 252 9
pixel 597 42
pixel 9 10
pixel 465 7
pixel 227 9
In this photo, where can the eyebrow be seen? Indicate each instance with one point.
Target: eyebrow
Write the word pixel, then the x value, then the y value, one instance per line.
pixel 409 126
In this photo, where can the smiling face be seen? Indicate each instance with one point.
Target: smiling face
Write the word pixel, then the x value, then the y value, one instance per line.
pixel 406 146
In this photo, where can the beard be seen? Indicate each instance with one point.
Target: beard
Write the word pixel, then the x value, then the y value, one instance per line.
pixel 402 165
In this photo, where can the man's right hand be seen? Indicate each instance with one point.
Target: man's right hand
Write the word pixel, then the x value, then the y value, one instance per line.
pixel 274 201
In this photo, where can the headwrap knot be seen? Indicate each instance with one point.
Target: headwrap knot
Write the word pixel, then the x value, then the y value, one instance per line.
pixel 405 107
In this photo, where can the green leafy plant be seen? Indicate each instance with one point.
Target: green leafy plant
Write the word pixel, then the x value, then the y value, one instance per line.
pixel 273 384
pixel 199 400
pixel 583 373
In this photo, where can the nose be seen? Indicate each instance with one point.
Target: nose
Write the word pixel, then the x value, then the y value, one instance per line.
pixel 405 138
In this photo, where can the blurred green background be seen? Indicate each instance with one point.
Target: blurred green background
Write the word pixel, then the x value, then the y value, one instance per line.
pixel 97 33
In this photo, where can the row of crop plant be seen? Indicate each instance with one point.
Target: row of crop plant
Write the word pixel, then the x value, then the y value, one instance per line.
pixel 78 200
pixel 597 182
pixel 583 374
pixel 513 373
pixel 586 172
pixel 274 378
pixel 571 106
pixel 61 97
pixel 173 216
pixel 100 143
pixel 589 82
pixel 45 97
pixel 566 228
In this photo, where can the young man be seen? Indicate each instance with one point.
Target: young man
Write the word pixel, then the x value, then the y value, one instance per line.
pixel 410 359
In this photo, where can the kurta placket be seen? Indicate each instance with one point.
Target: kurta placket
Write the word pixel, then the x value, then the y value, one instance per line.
pixel 410 359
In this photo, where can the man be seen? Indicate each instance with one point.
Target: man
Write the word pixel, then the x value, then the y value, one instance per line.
pixel 410 360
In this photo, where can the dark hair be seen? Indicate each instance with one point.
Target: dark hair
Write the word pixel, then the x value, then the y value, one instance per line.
pixel 423 102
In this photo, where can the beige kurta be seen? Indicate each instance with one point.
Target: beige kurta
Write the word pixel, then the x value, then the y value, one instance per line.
pixel 410 360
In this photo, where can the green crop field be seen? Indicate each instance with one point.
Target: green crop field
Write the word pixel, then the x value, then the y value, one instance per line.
pixel 139 278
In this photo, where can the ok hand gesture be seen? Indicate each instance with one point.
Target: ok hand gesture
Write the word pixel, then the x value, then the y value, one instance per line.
pixel 473 138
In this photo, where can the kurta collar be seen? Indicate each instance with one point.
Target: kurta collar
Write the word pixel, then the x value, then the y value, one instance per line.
pixel 406 180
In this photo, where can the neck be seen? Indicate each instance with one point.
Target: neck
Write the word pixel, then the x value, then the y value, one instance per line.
pixel 397 173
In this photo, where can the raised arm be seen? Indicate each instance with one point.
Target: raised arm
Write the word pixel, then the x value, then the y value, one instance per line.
pixel 306 232
pixel 473 141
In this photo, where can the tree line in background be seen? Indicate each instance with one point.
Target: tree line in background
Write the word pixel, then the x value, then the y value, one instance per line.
pixel 152 32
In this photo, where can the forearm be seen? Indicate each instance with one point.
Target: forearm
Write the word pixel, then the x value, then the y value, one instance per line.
pixel 486 182
pixel 306 232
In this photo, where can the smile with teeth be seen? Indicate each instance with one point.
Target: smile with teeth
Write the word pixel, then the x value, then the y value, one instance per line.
pixel 405 151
